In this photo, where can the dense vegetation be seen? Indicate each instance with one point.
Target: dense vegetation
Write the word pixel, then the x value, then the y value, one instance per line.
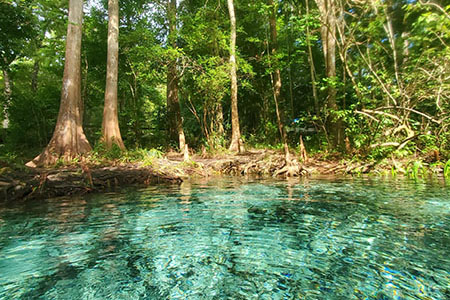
pixel 361 78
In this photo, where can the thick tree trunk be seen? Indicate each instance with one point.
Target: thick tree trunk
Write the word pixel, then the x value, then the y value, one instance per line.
pixel 7 94
pixel 235 145
pixel 110 126
pixel 68 139
pixel 175 121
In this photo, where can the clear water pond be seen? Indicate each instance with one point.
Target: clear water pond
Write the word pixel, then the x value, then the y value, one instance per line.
pixel 310 239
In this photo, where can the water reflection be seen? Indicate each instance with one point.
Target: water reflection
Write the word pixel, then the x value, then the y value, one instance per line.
pixel 315 239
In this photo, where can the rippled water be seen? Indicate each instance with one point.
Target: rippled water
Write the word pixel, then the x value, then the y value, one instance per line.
pixel 312 239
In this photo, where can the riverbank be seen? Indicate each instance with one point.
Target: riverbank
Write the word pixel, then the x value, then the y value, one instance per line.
pixel 80 178
pixel 46 183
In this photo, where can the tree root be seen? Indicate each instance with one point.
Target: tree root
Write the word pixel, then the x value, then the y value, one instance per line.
pixel 53 183
pixel 292 168
pixel 261 165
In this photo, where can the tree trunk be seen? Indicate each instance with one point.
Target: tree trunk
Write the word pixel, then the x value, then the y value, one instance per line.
pixel 68 139
pixel 292 168
pixel 213 118
pixel 34 76
pixel 216 128
pixel 235 145
pixel 110 126
pixel 7 94
pixel 291 85
pixel 312 69
pixel 218 114
pixel 175 121
pixel 328 34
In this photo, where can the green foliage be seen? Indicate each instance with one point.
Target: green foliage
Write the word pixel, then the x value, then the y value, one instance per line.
pixel 393 171
pixel 18 27
pixel 398 168
pixel 414 169
pixel 155 153
pixel 100 150
pixel 146 157
pixel 32 114
pixel 12 159
pixel 447 169
pixel 385 102
pixel 100 155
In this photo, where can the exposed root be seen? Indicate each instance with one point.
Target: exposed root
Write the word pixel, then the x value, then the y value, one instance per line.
pixel 261 164
pixel 49 157
pixel 186 153
pixel 291 169
pixel 303 153
pixel 51 183
pixel 362 168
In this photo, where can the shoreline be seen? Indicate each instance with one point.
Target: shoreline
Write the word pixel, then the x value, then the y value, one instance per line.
pixel 41 183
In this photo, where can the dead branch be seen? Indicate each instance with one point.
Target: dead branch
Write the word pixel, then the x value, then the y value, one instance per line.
pixel 382 113
pixel 367 115
pixel 413 111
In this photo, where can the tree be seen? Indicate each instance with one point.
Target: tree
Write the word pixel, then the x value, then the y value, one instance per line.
pixel 110 126
pixel 68 139
pixel 206 69
pixel 377 71
pixel 327 9
pixel 175 122
pixel 291 167
pixel 7 96
pixel 16 29
pixel 401 102
pixel 236 144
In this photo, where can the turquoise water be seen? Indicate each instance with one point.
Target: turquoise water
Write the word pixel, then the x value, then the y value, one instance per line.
pixel 310 239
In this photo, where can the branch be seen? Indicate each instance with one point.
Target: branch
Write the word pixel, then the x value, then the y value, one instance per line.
pixel 436 6
pixel 395 144
pixel 414 111
pixel 367 115
pixel 382 113
pixel 369 65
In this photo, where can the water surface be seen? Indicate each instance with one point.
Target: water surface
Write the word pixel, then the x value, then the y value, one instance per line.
pixel 230 239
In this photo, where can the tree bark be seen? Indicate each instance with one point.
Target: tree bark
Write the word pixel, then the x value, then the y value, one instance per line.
pixel 7 94
pixel 218 115
pixel 175 121
pixel 235 145
pixel 292 167
pixel 328 34
pixel 110 126
pixel 68 139
pixel 312 69
pixel 291 85
pixel 34 76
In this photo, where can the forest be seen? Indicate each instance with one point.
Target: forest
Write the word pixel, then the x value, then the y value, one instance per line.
pixel 355 79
